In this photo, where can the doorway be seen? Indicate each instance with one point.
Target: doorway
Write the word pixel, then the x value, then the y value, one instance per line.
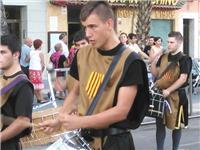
pixel 73 22
pixel 13 20
pixel 188 36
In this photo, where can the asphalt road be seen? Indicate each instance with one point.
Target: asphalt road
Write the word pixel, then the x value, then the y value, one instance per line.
pixel 145 139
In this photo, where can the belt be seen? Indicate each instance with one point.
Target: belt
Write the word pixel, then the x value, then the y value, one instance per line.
pixel 104 132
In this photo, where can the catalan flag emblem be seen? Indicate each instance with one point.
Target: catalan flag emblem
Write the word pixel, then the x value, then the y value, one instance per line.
pixel 93 84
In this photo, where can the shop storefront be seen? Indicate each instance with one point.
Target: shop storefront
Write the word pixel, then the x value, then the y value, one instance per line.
pixel 163 16
pixel 49 18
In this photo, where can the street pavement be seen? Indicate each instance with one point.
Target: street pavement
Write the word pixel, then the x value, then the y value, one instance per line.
pixel 145 138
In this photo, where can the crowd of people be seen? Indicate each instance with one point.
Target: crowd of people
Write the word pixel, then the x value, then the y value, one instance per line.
pixel 124 101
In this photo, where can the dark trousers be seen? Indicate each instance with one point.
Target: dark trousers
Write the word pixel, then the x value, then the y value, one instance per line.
pixel 122 141
pixel 161 134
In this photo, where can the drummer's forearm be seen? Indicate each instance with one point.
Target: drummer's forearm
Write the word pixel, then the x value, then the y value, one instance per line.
pixel 15 128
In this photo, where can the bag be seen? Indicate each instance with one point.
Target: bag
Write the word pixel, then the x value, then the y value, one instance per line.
pixel 55 58
pixel 157 104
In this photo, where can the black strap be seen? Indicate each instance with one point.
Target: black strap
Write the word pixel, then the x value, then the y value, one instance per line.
pixel 105 81
pixel 170 64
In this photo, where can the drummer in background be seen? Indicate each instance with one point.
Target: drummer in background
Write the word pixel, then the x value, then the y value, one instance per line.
pixel 173 84
pixel 113 115
pixel 16 103
pixel 80 40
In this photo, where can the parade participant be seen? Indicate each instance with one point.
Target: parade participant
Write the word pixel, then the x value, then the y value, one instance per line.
pixel 16 95
pixel 173 83
pixel 125 95
pixel 80 40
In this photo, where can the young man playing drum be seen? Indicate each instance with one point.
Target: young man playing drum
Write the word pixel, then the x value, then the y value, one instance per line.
pixel 16 95
pixel 125 95
pixel 173 83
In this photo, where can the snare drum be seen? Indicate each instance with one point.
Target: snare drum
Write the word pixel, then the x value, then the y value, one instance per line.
pixel 37 136
pixel 157 104
pixel 71 140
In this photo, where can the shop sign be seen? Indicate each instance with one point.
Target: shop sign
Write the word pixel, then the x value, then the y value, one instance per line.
pixel 164 14
pixel 124 13
pixel 154 2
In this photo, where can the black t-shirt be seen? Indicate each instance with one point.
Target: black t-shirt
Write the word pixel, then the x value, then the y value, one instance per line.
pixel 19 104
pixel 134 73
pixel 185 65
pixel 147 49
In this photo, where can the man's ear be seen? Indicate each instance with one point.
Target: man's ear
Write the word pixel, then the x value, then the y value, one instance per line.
pixel 16 54
pixel 110 23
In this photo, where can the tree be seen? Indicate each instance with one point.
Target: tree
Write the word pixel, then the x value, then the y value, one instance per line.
pixel 143 21
pixel 4 25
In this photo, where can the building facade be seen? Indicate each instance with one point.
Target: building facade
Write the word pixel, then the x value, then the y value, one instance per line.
pixel 47 19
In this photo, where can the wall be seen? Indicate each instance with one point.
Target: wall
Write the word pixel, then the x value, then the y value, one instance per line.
pixel 191 10
pixel 33 19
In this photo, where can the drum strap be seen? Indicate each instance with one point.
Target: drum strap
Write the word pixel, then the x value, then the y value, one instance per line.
pixel 105 81
pixel 18 79
pixel 15 85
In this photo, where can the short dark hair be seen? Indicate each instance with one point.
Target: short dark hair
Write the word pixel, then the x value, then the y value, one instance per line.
pixel 131 35
pixel 100 8
pixel 80 35
pixel 12 42
pixel 177 35
pixel 62 35
pixel 151 37
pixel 157 38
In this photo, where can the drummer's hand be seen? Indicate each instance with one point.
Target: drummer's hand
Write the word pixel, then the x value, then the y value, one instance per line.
pixel 49 126
pixel 165 93
pixel 70 122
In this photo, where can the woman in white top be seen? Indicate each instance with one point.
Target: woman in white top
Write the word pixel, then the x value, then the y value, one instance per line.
pixel 36 68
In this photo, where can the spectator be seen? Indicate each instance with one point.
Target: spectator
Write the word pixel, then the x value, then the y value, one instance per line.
pixel 59 61
pixel 63 40
pixel 36 68
pixel 150 43
pixel 25 55
pixel 132 39
pixel 123 38
pixel 156 50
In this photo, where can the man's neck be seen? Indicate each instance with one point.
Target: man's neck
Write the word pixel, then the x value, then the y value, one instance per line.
pixel 112 43
pixel 12 70
pixel 176 52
